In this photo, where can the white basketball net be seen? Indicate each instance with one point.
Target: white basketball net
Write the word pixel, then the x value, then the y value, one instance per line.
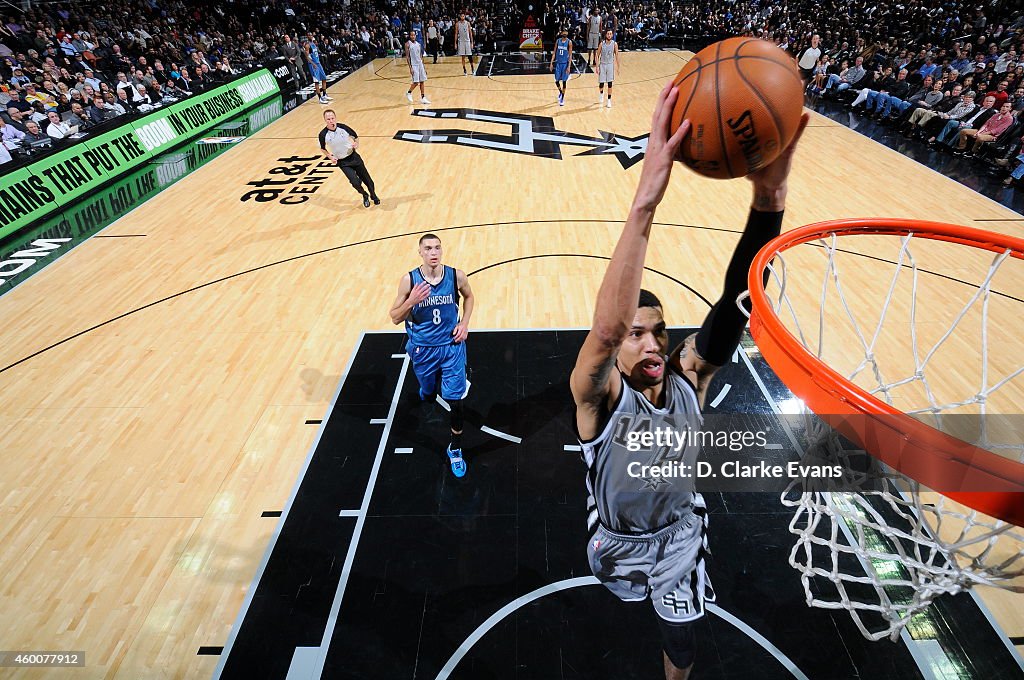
pixel 886 555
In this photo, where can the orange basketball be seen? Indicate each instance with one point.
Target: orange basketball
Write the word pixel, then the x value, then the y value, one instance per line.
pixel 744 98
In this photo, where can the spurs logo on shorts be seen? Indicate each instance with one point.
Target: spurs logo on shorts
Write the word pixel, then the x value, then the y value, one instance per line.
pixel 678 606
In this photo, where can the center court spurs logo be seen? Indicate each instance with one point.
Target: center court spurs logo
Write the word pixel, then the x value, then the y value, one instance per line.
pixel 533 135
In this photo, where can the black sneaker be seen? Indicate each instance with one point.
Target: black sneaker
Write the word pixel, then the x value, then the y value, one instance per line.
pixel 366 201
pixel 376 201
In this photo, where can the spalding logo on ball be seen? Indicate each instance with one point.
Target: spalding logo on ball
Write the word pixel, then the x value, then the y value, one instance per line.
pixel 744 98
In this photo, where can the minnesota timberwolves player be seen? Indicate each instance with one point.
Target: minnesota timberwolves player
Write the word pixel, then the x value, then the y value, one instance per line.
pixel 316 69
pixel 428 303
pixel 648 535
pixel 561 57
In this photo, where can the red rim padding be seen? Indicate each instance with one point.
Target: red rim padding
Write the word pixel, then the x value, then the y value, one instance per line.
pixel 933 458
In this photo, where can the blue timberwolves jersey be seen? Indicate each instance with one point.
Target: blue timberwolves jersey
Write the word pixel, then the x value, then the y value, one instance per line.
pixel 314 53
pixel 562 51
pixel 432 321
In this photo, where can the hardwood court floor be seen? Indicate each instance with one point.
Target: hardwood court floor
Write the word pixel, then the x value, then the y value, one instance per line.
pixel 155 391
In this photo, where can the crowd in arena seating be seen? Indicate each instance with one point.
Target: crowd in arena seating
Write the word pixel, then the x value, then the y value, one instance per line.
pixel 927 67
pixel 948 75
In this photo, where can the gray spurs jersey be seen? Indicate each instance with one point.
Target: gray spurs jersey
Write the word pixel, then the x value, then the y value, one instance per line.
pixel 621 499
pixel 607 52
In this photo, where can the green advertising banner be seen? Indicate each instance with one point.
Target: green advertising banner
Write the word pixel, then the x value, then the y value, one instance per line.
pixel 184 119
pixel 57 180
pixel 21 194
pixel 24 256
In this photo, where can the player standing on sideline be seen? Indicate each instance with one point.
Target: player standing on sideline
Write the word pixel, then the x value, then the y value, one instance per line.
pixel 561 57
pixel 648 535
pixel 414 57
pixel 316 71
pixel 593 36
pixel 340 142
pixel 433 40
pixel 428 303
pixel 464 41
pixel 608 64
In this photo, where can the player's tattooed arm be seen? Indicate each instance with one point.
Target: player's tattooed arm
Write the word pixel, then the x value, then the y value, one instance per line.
pixel 688 361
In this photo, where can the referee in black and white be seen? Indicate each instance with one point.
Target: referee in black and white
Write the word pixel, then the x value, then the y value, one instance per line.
pixel 340 142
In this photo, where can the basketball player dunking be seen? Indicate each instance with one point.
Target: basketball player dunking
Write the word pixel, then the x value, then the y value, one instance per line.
pixel 608 64
pixel 561 57
pixel 648 540
pixel 428 303
pixel 464 42
pixel 340 142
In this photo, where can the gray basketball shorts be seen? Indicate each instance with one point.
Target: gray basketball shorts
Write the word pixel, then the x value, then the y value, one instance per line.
pixel 666 566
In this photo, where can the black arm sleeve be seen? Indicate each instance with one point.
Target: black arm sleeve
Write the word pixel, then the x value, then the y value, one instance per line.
pixel 323 139
pixel 350 131
pixel 720 334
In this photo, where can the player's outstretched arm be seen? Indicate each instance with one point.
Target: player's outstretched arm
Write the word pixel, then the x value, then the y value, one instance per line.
pixel 594 383
pixel 703 353
pixel 408 297
pixel 461 331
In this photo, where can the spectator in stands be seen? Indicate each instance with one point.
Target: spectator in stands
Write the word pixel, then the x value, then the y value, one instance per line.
pixel 140 97
pixel 974 120
pixel 929 101
pixel 78 118
pixel 895 106
pixel 820 75
pixel 58 129
pixel 1000 93
pixel 988 132
pixel 33 134
pixel 111 101
pixel 124 101
pixel 91 79
pixel 1018 100
pixel 897 89
pixel 929 69
pixel 32 95
pixel 38 113
pixel 10 136
pixel 1018 172
pixel 881 80
pixel 117 61
pixel 17 102
pixel 965 109
pixel 122 81
pixel 847 78
pixel 922 116
pixel 99 112
pixel 17 118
